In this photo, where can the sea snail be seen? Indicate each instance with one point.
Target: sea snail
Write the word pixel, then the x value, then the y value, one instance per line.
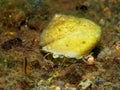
pixel 70 36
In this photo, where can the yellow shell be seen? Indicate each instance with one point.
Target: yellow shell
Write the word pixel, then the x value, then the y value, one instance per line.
pixel 70 36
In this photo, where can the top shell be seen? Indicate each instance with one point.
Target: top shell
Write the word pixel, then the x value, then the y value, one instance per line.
pixel 70 36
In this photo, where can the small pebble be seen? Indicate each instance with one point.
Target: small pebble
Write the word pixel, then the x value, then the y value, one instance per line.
pixel 99 81
pixel 102 22
pixel 61 83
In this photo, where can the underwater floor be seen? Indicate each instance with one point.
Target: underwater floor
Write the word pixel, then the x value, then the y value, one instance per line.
pixel 23 66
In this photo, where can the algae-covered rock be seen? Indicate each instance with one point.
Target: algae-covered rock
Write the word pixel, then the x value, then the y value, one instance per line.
pixel 70 36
